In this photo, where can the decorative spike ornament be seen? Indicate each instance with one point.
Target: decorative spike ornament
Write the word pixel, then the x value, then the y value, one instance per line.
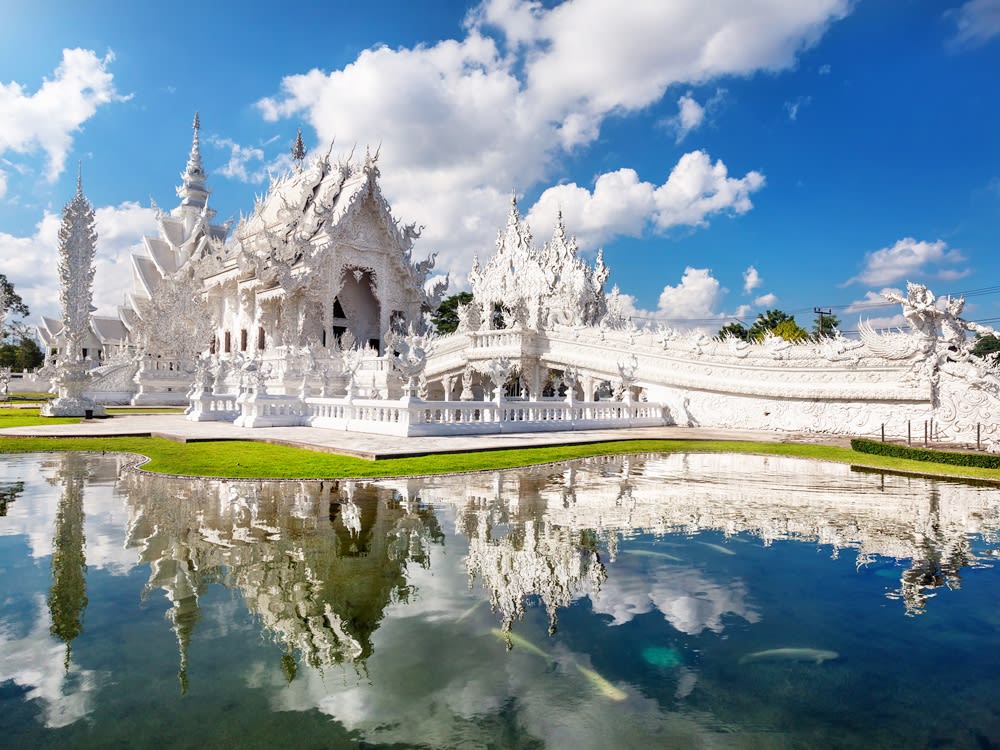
pixel 194 165
pixel 298 150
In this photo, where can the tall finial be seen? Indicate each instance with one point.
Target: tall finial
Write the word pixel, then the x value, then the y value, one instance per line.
pixel 194 161
pixel 514 215
pixel 79 178
pixel 193 191
pixel 298 150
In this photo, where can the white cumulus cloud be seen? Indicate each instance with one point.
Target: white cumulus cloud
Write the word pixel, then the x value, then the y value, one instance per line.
pixel 906 259
pixel 621 204
pixel 696 189
pixel 694 303
pixel 976 22
pixel 463 121
pixel 696 298
pixel 31 262
pixel 766 300
pixel 751 280
pixel 690 115
pixel 47 119
pixel 240 158
pixel 875 310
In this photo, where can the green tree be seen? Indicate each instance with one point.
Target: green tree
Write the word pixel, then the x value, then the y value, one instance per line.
pixel 11 305
pixel 734 329
pixel 23 355
pixel 21 352
pixel 779 323
pixel 446 317
pixel 789 330
pixel 825 324
pixel 987 347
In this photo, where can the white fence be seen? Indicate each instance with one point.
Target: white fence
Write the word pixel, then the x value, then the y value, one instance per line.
pixel 413 417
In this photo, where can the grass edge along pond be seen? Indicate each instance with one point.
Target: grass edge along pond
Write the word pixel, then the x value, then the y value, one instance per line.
pixel 256 460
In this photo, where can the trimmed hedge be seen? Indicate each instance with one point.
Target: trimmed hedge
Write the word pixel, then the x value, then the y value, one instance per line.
pixel 876 448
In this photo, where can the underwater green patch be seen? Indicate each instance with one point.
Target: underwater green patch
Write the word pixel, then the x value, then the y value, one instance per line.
pixel 662 656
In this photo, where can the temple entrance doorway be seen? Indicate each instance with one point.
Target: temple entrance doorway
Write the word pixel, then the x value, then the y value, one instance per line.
pixel 357 309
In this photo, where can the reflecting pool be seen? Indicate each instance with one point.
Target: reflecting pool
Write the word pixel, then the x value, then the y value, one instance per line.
pixel 687 600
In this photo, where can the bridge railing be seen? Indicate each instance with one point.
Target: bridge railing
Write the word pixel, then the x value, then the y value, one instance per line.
pixel 413 417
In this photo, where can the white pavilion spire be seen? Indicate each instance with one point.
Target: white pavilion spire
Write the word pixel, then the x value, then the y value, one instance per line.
pixel 193 191
pixel 77 247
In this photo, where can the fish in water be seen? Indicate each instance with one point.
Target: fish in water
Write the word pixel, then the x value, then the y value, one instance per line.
pixel 650 553
pixel 816 655
pixel 718 548
pixel 662 656
pixel 606 688
pixel 470 610
pixel 521 642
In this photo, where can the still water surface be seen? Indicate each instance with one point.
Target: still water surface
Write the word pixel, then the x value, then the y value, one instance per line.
pixel 652 601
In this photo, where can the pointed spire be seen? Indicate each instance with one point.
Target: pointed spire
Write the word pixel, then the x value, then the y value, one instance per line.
pixel 79 179
pixel 298 150
pixel 193 191
pixel 194 166
pixel 514 216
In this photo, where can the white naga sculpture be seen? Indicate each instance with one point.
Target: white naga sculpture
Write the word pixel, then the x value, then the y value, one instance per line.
pixel 77 245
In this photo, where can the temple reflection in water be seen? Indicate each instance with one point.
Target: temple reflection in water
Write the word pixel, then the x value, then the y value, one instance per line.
pixel 319 562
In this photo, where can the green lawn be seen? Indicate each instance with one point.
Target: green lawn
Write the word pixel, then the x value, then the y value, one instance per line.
pixel 14 415
pixel 248 459
pixel 32 396
pixel 245 459
pixel 24 415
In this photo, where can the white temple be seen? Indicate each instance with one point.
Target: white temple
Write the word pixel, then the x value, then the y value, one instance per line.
pixel 313 312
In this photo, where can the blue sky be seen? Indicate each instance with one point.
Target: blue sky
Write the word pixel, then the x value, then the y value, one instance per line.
pixel 728 156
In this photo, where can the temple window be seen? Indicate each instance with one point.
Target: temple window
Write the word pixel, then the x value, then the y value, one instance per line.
pixel 214 345
pixel 229 342
pixel 243 339
pixel 260 338
pixel 338 310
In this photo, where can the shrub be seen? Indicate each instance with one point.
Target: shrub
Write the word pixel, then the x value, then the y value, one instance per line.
pixel 876 448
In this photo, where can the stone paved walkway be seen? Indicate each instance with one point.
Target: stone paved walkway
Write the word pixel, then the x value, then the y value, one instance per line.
pixel 366 445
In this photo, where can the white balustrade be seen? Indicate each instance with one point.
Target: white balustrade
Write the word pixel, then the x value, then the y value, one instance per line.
pixel 415 417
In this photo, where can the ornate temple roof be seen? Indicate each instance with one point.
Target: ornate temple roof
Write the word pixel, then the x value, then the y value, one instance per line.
pixel 108 329
pixel 315 201
pixel 546 285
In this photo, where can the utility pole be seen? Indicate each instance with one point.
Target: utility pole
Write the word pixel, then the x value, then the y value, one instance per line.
pixel 821 312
